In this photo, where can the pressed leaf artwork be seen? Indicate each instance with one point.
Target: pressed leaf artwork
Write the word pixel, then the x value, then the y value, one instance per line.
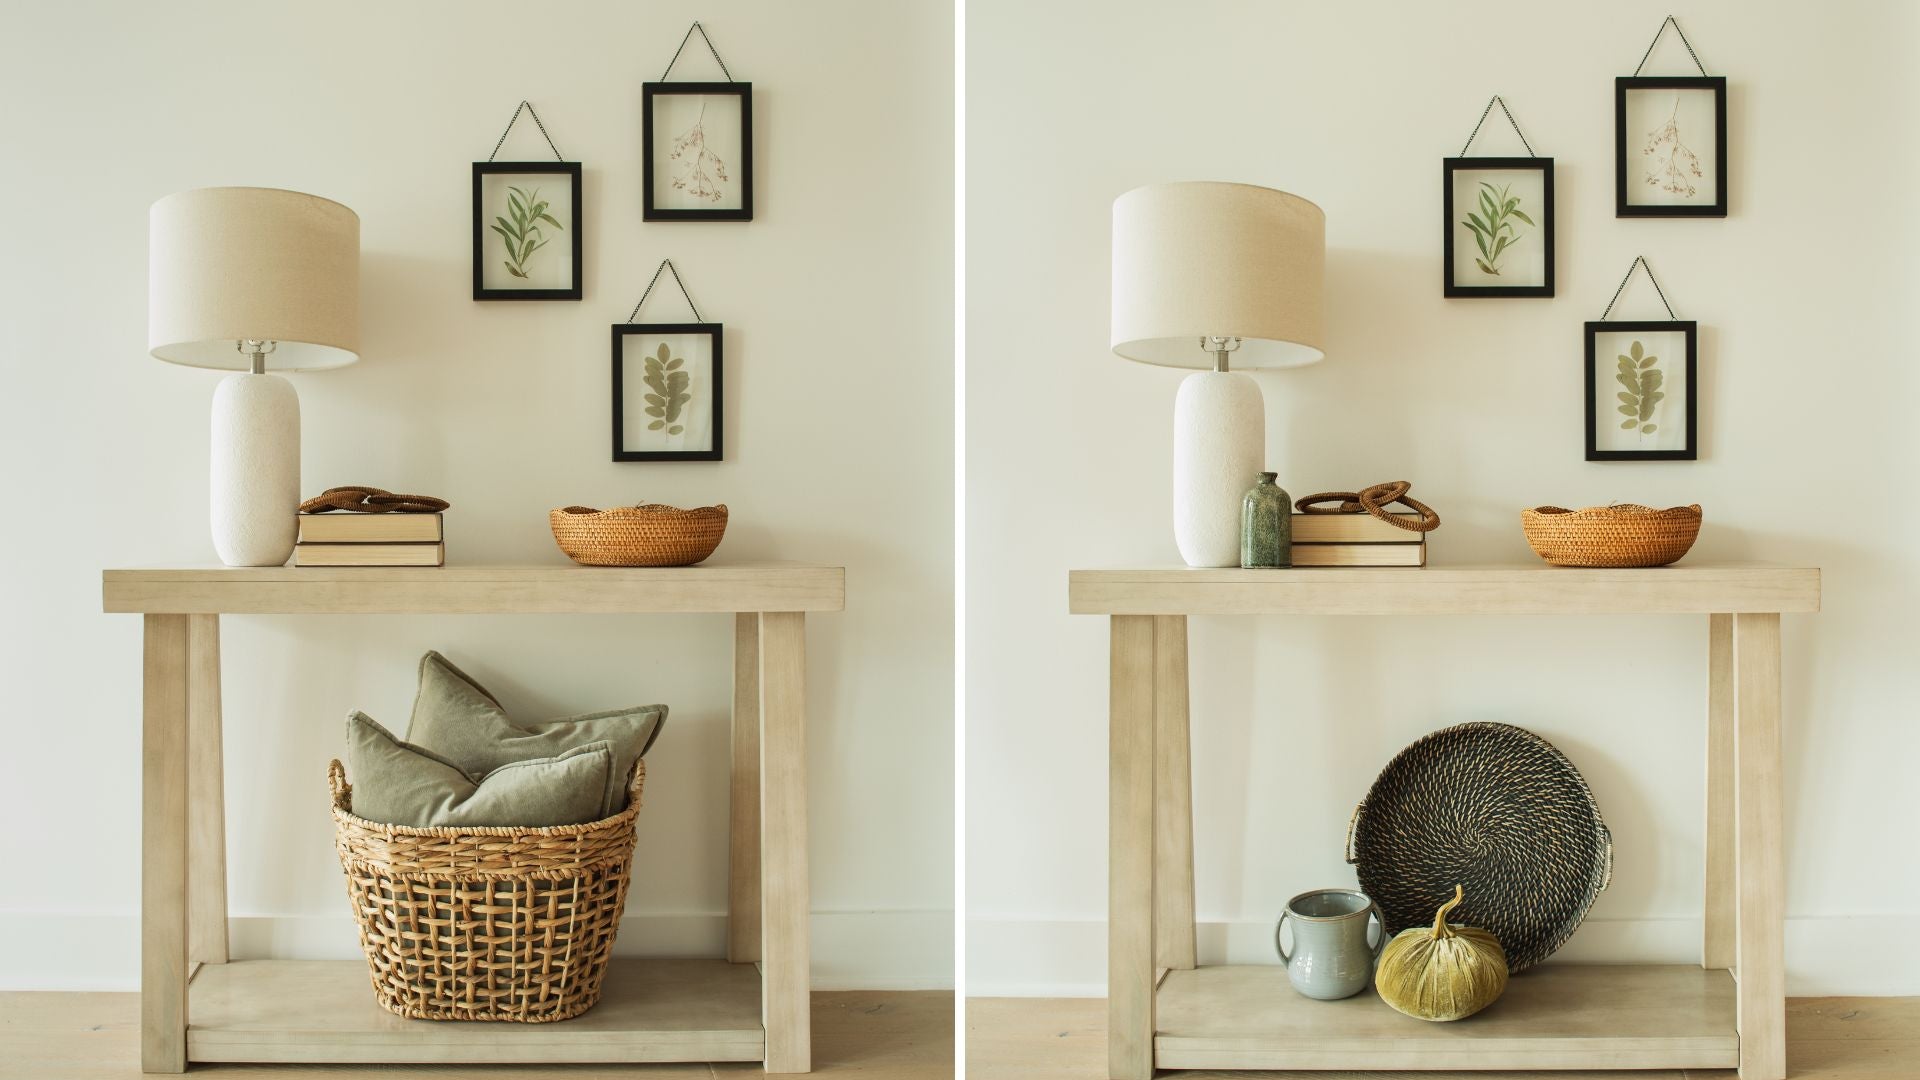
pixel 701 171
pixel 523 235
pixel 1640 401
pixel 669 389
pixel 1671 165
pixel 1493 225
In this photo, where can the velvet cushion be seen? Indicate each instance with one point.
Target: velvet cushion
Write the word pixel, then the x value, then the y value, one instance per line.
pixel 401 784
pixel 461 721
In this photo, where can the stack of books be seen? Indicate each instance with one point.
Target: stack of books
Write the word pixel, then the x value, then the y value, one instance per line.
pixel 370 540
pixel 1356 540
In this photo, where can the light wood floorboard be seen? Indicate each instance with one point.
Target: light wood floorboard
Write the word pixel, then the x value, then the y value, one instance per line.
pixel 1066 1039
pixel 869 1035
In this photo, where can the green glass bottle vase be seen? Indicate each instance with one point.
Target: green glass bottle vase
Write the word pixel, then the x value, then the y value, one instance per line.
pixel 1266 526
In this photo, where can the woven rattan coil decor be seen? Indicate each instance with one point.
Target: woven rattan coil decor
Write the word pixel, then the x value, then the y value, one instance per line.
pixel 486 923
pixel 1498 810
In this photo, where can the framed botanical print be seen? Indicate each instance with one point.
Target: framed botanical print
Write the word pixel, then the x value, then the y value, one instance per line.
pixel 1641 391
pixel 1498 221
pixel 1670 146
pixel 697 153
pixel 526 230
pixel 667 392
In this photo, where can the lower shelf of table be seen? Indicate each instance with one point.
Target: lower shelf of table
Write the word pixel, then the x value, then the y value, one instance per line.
pixel 324 1010
pixel 1553 1017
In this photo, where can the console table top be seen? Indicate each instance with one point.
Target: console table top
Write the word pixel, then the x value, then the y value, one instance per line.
pixel 475 589
pixel 1515 589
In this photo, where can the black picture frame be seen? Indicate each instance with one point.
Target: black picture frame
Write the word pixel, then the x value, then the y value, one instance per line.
pixel 717 397
pixel 649 92
pixel 1450 224
pixel 1621 150
pixel 1691 330
pixel 482 229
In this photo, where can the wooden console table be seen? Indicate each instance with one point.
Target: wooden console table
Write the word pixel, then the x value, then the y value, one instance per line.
pixel 196 1006
pixel 1164 1010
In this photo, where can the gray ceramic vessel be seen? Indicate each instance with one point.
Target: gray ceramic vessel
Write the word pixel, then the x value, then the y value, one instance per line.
pixel 1266 526
pixel 1330 958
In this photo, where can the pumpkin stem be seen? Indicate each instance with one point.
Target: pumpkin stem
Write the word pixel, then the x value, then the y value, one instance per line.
pixel 1440 928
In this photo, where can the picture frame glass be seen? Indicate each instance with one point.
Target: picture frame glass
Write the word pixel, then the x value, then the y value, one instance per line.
pixel 1672 155
pixel 1500 226
pixel 667 393
pixel 529 218
pixel 1641 386
pixel 698 150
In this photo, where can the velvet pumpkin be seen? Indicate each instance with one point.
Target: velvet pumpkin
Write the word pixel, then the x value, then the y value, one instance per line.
pixel 1443 972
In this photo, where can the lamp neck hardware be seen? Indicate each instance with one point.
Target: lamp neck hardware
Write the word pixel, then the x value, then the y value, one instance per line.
pixel 257 349
pixel 1219 347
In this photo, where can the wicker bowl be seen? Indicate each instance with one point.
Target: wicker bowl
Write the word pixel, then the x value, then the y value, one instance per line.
pixel 1613 536
pixel 651 535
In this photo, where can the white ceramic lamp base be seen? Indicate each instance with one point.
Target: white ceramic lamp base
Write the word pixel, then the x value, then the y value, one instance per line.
pixel 1219 443
pixel 256 469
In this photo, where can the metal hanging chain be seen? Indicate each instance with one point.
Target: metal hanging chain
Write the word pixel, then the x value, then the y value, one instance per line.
pixel 683 45
pixel 528 106
pixel 1639 262
pixel 1675 23
pixel 1496 99
pixel 667 264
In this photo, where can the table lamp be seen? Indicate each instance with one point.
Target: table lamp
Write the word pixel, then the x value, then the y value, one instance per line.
pixel 1216 276
pixel 254 280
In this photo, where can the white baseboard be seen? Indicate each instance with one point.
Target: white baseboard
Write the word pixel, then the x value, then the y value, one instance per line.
pixel 852 950
pixel 1826 955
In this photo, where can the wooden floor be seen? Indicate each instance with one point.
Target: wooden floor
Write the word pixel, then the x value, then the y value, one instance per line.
pixel 1065 1039
pixel 869 1035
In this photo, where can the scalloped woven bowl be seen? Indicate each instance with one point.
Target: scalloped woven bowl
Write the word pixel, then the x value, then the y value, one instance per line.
pixel 1621 535
pixel 650 535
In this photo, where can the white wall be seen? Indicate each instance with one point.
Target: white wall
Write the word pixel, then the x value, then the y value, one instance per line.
pixel 1808 390
pixel 837 304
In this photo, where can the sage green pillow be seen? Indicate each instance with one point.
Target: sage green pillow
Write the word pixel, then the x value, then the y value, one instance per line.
pixel 458 719
pixel 400 784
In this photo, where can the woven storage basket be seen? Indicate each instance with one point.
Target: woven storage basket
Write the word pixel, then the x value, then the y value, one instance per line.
pixel 1613 536
pixel 486 923
pixel 651 535
pixel 1493 808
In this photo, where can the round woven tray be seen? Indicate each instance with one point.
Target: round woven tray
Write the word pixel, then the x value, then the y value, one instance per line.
pixel 1493 808
pixel 651 535
pixel 1624 534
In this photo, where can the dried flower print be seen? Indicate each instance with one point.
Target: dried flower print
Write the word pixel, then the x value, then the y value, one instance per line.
pixel 1493 226
pixel 522 235
pixel 1642 396
pixel 701 170
pixel 671 389
pixel 1671 166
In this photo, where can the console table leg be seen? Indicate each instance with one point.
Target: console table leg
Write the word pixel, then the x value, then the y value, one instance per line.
pixel 206 797
pixel 743 841
pixel 1760 949
pixel 1716 943
pixel 1130 862
pixel 1172 797
pixel 163 845
pixel 783 842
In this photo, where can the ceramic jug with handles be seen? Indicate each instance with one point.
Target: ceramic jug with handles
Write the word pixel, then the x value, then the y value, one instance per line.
pixel 1330 958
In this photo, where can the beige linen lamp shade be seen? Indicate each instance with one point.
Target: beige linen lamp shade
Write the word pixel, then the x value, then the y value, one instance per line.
pixel 240 263
pixel 1199 259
